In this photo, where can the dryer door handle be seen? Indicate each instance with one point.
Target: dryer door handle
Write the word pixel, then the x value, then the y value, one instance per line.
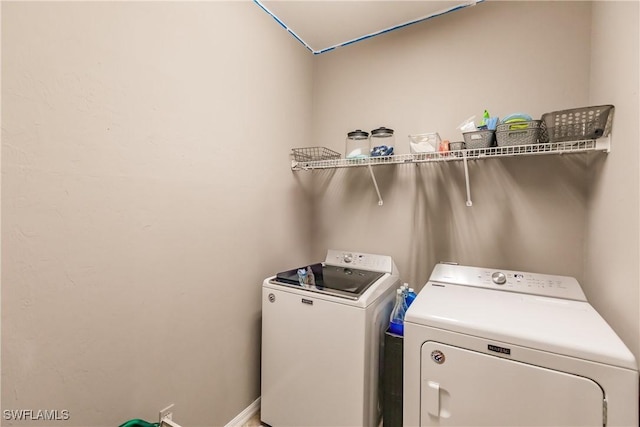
pixel 433 398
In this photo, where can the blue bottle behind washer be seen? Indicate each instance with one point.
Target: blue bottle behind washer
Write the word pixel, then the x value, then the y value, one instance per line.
pixel 396 320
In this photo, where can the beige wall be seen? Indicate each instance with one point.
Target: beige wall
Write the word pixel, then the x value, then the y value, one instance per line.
pixel 572 215
pixel 528 213
pixel 612 245
pixel 146 192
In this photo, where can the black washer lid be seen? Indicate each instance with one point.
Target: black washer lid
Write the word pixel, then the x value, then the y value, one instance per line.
pixel 382 132
pixel 358 134
pixel 333 280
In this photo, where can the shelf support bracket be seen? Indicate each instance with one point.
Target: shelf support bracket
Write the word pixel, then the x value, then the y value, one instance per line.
pixel 466 180
pixel 604 144
pixel 375 184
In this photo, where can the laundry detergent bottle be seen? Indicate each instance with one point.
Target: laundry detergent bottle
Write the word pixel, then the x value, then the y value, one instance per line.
pixel 396 320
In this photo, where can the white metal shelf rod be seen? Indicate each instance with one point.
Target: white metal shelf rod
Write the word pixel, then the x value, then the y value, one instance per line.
pixel 469 203
pixel 375 184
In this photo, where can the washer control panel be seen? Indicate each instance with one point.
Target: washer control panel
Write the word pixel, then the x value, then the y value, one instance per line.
pixel 362 261
pixel 508 280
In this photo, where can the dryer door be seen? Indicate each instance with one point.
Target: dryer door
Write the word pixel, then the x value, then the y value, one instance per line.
pixel 461 387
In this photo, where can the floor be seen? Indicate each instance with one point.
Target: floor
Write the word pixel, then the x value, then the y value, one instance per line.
pixel 254 421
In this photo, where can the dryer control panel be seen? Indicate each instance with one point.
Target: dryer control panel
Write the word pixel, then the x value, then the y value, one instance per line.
pixel 508 280
pixel 371 262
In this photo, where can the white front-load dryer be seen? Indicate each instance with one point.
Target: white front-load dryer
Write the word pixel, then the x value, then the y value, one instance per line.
pixel 485 347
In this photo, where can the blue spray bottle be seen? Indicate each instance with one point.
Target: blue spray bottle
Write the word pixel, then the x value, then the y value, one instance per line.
pixel 411 296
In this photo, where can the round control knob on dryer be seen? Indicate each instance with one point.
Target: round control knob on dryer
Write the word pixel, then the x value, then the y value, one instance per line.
pixel 499 278
pixel 348 258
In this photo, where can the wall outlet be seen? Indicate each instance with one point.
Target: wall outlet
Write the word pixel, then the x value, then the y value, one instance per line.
pixel 166 414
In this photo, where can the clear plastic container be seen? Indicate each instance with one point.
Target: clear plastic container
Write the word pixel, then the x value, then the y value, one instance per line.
pixel 302 277
pixel 396 320
pixel 382 141
pixel 357 145
pixel 424 142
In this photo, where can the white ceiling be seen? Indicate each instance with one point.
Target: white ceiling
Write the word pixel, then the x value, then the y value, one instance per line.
pixel 324 24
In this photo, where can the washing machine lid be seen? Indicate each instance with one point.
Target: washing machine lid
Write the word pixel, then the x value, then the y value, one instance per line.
pixel 555 325
pixel 345 274
pixel 343 282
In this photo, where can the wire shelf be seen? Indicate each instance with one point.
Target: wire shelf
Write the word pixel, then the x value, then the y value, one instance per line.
pixel 457 155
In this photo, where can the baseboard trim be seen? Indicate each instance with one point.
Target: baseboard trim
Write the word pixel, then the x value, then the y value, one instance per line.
pixel 243 417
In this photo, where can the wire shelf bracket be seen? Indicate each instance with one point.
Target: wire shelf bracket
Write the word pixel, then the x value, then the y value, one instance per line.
pixel 375 184
pixel 469 203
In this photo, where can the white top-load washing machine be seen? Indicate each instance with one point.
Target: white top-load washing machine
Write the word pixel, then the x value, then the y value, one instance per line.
pixel 486 347
pixel 321 344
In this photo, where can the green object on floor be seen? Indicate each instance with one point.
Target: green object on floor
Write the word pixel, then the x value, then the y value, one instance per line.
pixel 139 423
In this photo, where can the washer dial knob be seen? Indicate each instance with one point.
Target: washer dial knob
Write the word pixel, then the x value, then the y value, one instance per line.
pixel 499 278
pixel 347 258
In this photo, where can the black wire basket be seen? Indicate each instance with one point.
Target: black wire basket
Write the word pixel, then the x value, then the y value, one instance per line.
pixel 312 154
